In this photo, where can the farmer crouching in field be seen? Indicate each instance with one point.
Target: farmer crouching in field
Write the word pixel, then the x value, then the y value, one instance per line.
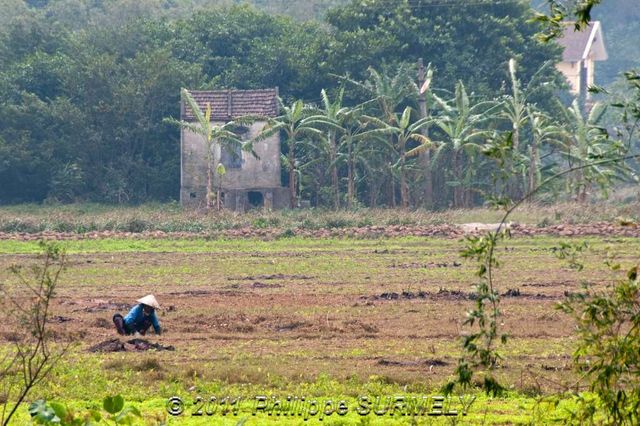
pixel 140 317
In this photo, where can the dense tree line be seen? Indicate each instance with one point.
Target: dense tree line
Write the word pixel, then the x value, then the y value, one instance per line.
pixel 85 86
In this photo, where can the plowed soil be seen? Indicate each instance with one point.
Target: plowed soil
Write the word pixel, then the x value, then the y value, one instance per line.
pixel 390 307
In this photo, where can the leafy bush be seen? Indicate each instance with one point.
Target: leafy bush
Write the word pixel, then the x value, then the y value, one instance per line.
pixel 55 413
pixel 26 308
pixel 66 184
pixel 18 225
pixel 136 225
pixel 338 222
pixel 288 233
pixel 608 352
pixel 265 222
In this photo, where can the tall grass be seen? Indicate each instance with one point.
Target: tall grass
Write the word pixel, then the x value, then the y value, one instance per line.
pixel 86 218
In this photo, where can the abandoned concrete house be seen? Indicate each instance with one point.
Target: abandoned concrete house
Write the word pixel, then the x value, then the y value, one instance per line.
pixel 249 182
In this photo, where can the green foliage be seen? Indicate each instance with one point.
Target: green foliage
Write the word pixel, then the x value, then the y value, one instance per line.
pixel 85 87
pixel 55 413
pixel 113 404
pixel 571 252
pixel 585 140
pixel 608 351
pixel 27 307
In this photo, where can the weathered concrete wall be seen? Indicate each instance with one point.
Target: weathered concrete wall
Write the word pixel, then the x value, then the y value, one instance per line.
pixel 193 169
pixel 260 173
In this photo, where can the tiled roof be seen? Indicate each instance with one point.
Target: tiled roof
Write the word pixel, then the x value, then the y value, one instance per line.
pixel 230 104
pixel 576 42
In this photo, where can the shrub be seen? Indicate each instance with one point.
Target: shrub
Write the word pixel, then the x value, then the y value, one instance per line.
pixel 608 352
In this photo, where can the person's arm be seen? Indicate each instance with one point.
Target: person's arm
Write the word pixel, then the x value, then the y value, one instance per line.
pixel 156 323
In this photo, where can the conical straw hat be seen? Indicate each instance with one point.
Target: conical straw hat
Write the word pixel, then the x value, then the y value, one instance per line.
pixel 149 300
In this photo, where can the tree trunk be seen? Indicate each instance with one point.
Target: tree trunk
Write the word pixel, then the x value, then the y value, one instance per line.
pixel 392 192
pixel 373 192
pixel 428 179
pixel 425 157
pixel 512 186
pixel 219 193
pixel 457 190
pixel 350 177
pixel 292 176
pixel 404 188
pixel 581 187
pixel 209 181
pixel 533 166
pixel 334 170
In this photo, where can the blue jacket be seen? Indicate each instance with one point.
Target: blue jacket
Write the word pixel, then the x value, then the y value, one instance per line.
pixel 136 317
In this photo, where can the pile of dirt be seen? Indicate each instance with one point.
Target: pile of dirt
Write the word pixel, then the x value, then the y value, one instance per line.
pixel 133 345
pixel 99 305
pixel 404 295
pixel 372 231
pixel 409 295
pixel 190 293
pixel 273 277
pixel 60 319
pixel 445 294
pixel 417 265
pixel 417 363
pixel 293 325
pixel 258 284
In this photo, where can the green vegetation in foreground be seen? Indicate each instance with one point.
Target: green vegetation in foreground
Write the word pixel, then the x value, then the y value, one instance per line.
pixel 249 245
pixel 119 245
pixel 71 378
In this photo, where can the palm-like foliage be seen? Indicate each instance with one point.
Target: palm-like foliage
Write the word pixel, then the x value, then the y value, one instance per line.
pixel 332 117
pixel 461 124
pixel 402 130
pixel 515 109
pixel 298 122
pixel 387 91
pixel 542 132
pixel 352 149
pixel 585 141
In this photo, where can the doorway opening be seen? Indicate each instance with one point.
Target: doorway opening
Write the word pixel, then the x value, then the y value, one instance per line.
pixel 256 199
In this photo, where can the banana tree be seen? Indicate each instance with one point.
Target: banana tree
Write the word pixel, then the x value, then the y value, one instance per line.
pixel 387 91
pixel 402 130
pixel 542 132
pixel 335 114
pixel 298 122
pixel 515 110
pixel 586 141
pixel 461 124
pixel 355 147
pixel 213 135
